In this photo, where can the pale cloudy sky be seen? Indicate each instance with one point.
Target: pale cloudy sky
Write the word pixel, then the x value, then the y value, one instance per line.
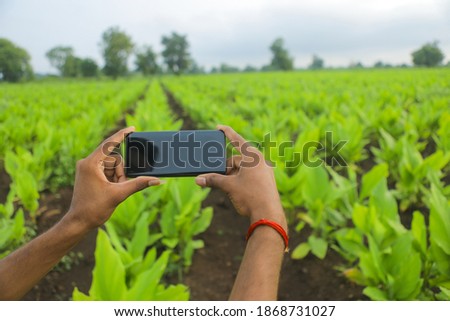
pixel 238 32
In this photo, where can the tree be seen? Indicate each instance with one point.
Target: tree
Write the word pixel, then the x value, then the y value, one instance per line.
pixel 250 68
pixel 356 65
pixel 317 63
pixel 116 49
pixel 195 68
pixel 72 67
pixel 267 68
pixel 64 59
pixel 429 55
pixel 146 61
pixel 281 59
pixel 14 62
pixel 226 68
pixel 176 55
pixel 58 57
pixel 380 64
pixel 89 68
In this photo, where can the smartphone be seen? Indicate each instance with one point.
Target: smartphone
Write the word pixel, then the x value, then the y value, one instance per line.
pixel 175 153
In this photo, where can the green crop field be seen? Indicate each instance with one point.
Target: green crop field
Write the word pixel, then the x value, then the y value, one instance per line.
pixel 361 158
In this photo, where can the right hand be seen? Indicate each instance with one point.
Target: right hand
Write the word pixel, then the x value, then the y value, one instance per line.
pixel 249 183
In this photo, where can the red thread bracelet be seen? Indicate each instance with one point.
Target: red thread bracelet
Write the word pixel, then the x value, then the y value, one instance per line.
pixel 277 227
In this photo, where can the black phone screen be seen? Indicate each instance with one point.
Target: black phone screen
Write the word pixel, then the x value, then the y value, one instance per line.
pixel 175 153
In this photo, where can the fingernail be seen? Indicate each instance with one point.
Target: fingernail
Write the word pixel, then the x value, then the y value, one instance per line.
pixel 155 182
pixel 200 181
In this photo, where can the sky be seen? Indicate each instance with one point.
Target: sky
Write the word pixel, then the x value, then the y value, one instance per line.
pixel 236 32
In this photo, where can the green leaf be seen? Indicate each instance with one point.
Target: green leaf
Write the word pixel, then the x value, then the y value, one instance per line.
pixel 361 218
pixel 372 179
pixel 167 220
pixel 444 295
pixel 108 277
pixel 154 238
pixel 385 204
pixel 146 283
pixel 351 241
pixel 189 249
pixel 301 251
pixel 419 231
pixel 439 220
pixel 437 160
pixel 173 293
pixel 140 238
pixel 371 262
pixel 79 296
pixel 316 184
pixel 299 227
pixel 115 240
pixel 355 275
pixel 403 267
pixel 202 223
pixel 27 190
pixel 441 259
pixel 143 265
pixel 11 163
pixel 170 242
pixel 375 293
pixel 318 246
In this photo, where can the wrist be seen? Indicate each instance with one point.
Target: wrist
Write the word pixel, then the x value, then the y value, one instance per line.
pixel 273 213
pixel 274 226
pixel 267 237
pixel 74 224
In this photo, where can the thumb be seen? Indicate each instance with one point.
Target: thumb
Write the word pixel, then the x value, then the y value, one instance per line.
pixel 137 184
pixel 213 180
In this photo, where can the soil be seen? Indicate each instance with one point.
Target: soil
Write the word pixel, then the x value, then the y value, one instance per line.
pixel 5 181
pixel 59 283
pixel 178 110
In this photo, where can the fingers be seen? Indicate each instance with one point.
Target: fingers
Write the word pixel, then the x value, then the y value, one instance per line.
pixel 113 168
pixel 238 142
pixel 214 180
pixel 120 172
pixel 235 139
pixel 233 164
pixel 137 184
pixel 107 146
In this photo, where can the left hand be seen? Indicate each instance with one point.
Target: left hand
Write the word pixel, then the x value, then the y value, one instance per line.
pixel 101 185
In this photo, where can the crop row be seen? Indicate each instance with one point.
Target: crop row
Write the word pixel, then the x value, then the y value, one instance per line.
pixel 45 129
pixel 355 154
pixel 151 235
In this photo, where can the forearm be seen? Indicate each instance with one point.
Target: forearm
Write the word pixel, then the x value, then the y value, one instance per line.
pixel 259 272
pixel 22 269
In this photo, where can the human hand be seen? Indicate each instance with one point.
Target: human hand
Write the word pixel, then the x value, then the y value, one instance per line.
pixel 101 185
pixel 249 183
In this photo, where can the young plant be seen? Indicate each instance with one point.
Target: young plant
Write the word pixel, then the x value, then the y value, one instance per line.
pixel 111 280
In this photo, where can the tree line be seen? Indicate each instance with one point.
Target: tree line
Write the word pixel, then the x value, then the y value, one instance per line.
pixel 117 47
